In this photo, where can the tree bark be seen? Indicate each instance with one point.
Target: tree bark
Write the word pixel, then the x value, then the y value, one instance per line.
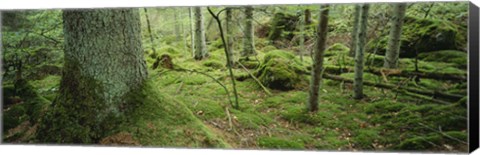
pixel 359 52
pixel 103 63
pixel 248 42
pixel 356 19
pixel 177 25
pixel 229 26
pixel 200 44
pixel 393 49
pixel 318 59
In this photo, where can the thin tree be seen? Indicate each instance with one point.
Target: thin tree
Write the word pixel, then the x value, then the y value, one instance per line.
pixel 103 63
pixel 356 18
pixel 176 25
pixel 301 26
pixel 222 36
pixel 149 31
pixel 192 30
pixel 393 48
pixel 200 44
pixel 229 27
pixel 361 38
pixel 316 79
pixel 248 42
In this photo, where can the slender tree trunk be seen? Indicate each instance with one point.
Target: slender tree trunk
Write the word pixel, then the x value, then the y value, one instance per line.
pixel 393 49
pixel 201 47
pixel 192 30
pixel 103 63
pixel 248 42
pixel 149 31
pixel 176 25
pixel 359 52
pixel 302 36
pixel 308 17
pixel 229 26
pixel 318 59
pixel 356 19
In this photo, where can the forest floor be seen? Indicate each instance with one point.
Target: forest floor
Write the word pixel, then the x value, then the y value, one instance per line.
pixel 384 120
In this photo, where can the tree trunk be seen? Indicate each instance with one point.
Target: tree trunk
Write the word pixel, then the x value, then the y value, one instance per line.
pixel 318 59
pixel 248 42
pixel 150 31
pixel 192 31
pixel 229 26
pixel 359 52
pixel 356 19
pixel 200 48
pixel 302 36
pixel 308 17
pixel 176 25
pixel 393 49
pixel 103 63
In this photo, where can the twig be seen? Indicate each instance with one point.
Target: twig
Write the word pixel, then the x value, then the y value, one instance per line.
pixel 255 78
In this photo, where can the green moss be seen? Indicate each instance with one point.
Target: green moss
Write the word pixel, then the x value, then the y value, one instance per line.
pixel 213 64
pixel 336 49
pixel 13 116
pixel 458 58
pixel 431 141
pixel 251 120
pixel 365 137
pixel 280 70
pixel 279 143
pixel 268 48
pixel 161 120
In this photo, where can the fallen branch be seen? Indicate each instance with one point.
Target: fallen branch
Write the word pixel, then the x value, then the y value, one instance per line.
pixel 434 94
pixel 255 78
pixel 443 134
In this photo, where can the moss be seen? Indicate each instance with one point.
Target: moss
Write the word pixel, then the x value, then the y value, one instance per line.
pixel 282 26
pixel 280 70
pixel 172 51
pixel 13 116
pixel 161 120
pixel 431 141
pixel 336 49
pixel 268 48
pixel 365 138
pixel 213 64
pixel 251 120
pixel 429 34
pixel 458 58
pixel 279 143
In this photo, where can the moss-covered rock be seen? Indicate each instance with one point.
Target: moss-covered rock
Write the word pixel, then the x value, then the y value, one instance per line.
pixel 458 58
pixel 280 70
pixel 213 64
pixel 336 49
pixel 423 35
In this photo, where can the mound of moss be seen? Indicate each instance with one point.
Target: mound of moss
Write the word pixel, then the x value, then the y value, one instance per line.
pixel 424 35
pixel 336 49
pixel 161 120
pixel 280 70
pixel 458 58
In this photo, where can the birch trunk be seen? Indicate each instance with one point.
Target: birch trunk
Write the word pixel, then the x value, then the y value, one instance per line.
pixel 316 79
pixel 248 42
pixel 192 31
pixel 359 52
pixel 229 26
pixel 302 36
pixel 356 19
pixel 200 48
pixel 393 49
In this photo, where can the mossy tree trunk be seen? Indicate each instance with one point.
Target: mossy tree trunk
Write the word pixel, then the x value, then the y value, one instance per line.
pixel 393 48
pixel 103 63
pixel 356 18
pixel 359 52
pixel 248 42
pixel 229 26
pixel 318 59
pixel 200 44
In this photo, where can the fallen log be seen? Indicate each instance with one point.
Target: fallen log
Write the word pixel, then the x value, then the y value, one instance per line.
pixel 433 94
pixel 399 73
